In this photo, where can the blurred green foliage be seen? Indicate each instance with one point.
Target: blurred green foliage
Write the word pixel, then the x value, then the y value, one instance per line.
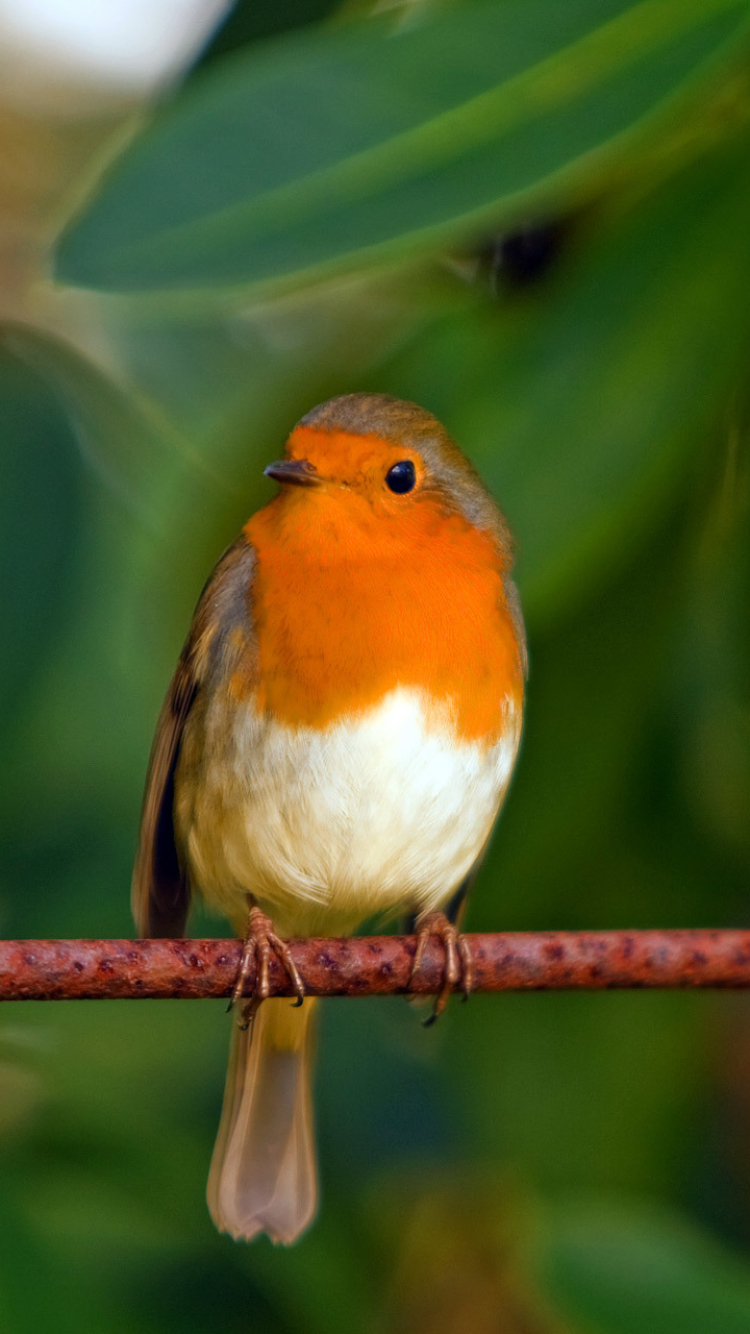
pixel 324 206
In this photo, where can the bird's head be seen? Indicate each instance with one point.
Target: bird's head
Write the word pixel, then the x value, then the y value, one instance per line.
pixel 372 457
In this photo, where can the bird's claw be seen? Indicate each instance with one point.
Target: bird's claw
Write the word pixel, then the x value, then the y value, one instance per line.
pixel 459 966
pixel 261 941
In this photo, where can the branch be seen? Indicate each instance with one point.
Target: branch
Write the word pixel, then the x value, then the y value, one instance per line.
pixel 375 965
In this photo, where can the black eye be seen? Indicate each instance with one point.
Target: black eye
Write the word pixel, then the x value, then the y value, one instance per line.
pixel 401 477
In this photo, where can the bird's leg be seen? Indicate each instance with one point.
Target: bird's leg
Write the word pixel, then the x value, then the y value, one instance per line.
pixel 459 965
pixel 260 941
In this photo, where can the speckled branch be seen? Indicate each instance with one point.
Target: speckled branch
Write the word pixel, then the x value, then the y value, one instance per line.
pixel 376 965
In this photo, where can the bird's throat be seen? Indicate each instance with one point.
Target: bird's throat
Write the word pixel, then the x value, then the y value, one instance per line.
pixel 341 623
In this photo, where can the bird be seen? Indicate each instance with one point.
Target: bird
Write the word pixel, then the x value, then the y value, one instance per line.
pixel 335 745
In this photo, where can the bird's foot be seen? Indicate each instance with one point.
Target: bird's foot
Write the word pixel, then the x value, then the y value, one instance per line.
pixel 459 966
pixel 261 941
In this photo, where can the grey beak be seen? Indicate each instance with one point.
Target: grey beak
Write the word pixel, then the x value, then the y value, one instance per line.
pixel 293 472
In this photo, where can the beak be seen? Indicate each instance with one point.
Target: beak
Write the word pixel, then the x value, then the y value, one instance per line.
pixel 293 472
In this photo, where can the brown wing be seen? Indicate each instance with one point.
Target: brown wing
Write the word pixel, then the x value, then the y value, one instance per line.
pixel 516 615
pixel 161 890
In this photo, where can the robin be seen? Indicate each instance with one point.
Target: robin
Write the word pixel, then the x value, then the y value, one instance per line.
pixel 336 743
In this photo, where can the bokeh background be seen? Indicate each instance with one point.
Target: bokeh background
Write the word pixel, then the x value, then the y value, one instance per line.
pixel 533 218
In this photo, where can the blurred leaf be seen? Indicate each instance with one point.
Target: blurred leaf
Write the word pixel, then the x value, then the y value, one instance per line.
pixel 367 142
pixel 250 20
pixel 582 1091
pixel 40 521
pixel 712 699
pixel 27 1276
pixel 228 379
pixel 620 1270
pixel 124 436
pixel 582 406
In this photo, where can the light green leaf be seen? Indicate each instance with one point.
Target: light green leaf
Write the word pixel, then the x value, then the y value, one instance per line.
pixel 123 434
pixel 369 142
pixel 623 1270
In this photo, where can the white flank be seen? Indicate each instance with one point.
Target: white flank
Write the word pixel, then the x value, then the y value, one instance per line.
pixel 383 811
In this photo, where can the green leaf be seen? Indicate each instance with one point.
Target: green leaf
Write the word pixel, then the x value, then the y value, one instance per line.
pixel 124 436
pixel 40 522
pixel 252 20
pixel 28 1273
pixel 618 1270
pixel 369 142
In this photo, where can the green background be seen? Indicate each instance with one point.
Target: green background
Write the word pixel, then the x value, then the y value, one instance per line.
pixel 534 219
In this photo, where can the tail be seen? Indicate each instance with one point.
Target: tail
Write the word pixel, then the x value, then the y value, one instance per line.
pixel 262 1176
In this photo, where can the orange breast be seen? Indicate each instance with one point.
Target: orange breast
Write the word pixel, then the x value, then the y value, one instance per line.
pixel 348 607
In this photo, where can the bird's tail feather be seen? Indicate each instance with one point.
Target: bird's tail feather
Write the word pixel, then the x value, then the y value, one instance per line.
pixel 262 1176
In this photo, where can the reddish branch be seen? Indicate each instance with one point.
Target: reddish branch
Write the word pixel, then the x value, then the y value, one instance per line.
pixel 375 965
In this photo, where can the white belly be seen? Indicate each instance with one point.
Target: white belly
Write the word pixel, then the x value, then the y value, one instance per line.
pixel 326 827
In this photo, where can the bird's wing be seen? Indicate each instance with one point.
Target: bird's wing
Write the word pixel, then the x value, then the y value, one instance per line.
pixel 161 890
pixel 516 615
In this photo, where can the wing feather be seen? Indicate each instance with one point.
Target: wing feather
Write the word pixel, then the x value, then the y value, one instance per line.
pixel 161 887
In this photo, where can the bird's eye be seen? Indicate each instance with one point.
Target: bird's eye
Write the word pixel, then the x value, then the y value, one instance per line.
pixel 401 477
